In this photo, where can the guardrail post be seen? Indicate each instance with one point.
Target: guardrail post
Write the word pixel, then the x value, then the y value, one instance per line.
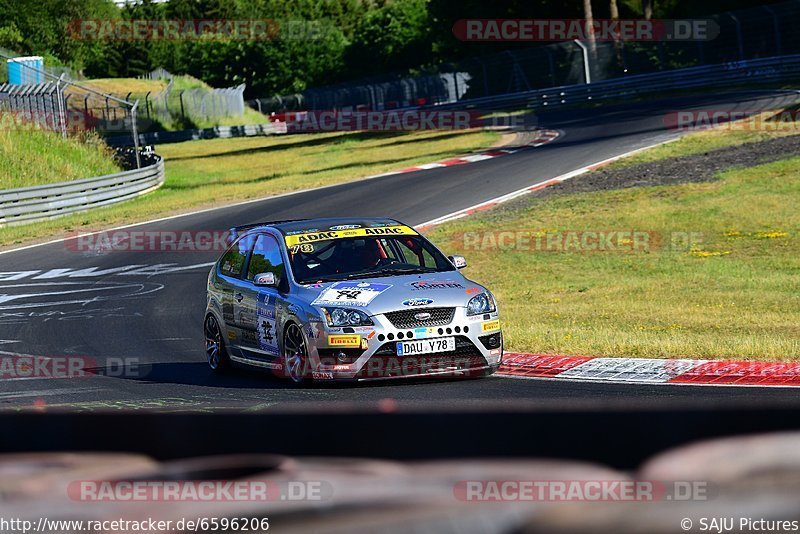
pixel 777 27
pixel 135 132
pixel 738 35
pixel 586 67
pixel 61 105
pixel 180 98
pixel 551 64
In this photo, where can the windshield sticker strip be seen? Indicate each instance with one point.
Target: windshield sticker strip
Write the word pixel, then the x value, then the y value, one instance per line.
pixel 311 237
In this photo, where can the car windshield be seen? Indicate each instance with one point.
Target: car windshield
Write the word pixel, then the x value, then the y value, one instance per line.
pixel 365 257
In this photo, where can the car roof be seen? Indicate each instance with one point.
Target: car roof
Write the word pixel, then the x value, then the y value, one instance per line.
pixel 323 224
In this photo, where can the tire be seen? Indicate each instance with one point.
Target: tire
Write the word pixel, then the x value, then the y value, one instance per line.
pixel 295 355
pixel 216 352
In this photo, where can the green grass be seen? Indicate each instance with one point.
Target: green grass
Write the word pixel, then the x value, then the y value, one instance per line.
pixel 213 172
pixel 31 156
pixel 732 294
pixel 723 136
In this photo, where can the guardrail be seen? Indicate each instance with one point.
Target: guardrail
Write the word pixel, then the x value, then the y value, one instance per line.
pixel 40 202
pixel 754 71
pixel 217 132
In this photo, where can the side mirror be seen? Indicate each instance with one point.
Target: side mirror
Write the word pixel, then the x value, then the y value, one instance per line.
pixel 266 279
pixel 458 261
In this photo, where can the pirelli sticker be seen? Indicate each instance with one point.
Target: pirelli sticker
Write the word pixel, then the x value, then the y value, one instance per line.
pixel 347 340
pixel 491 325
pixel 313 237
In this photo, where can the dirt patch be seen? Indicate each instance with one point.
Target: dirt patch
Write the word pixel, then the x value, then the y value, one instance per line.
pixel 688 169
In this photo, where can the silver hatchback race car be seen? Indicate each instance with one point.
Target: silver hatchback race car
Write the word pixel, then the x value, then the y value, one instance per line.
pixel 347 299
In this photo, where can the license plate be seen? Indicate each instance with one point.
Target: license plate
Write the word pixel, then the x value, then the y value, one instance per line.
pixel 426 346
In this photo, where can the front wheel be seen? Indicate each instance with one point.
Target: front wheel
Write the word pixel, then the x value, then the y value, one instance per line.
pixel 216 353
pixel 295 355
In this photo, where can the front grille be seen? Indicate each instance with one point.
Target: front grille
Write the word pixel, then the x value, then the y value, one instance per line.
pixel 406 319
pixel 465 360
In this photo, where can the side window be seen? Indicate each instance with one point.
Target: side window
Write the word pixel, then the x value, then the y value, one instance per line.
pixel 232 262
pixel 266 258
pixel 414 254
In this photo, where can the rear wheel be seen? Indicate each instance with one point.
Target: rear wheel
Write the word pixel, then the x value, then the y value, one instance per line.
pixel 295 355
pixel 216 353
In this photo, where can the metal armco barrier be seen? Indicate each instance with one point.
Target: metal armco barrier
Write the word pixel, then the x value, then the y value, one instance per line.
pixel 749 72
pixel 217 132
pixel 37 203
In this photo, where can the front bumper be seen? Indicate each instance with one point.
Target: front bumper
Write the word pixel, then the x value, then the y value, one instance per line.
pixel 369 353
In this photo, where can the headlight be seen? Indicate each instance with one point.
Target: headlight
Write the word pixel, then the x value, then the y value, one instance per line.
pixel 346 317
pixel 483 303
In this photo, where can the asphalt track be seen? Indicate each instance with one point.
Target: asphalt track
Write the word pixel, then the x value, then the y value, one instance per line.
pixel 151 315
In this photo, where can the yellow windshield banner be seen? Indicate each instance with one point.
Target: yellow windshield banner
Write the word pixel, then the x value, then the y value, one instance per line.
pixel 313 237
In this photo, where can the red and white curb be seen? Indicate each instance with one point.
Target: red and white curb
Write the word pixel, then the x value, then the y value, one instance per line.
pixel 488 204
pixel 651 371
pixel 542 138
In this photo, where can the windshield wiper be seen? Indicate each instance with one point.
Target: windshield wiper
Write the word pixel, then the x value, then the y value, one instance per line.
pixel 407 270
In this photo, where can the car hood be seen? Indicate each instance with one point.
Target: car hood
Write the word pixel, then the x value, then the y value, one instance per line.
pixel 390 293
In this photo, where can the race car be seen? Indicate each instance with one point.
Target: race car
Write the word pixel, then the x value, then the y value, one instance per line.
pixel 347 299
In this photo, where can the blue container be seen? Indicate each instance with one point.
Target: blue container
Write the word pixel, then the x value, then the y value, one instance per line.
pixel 25 70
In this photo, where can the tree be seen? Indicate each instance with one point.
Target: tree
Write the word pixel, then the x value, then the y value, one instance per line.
pixel 589 19
pixel 647 9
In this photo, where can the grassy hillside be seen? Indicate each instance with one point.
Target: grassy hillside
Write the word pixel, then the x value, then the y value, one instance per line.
pixel 169 117
pixel 31 156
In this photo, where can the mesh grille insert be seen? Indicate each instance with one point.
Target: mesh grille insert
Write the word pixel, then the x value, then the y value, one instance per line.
pixel 406 319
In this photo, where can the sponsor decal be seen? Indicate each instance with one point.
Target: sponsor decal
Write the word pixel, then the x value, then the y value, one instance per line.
pixel 364 343
pixel 491 325
pixel 422 316
pixel 473 290
pixel 311 237
pixel 296 232
pixel 417 302
pixel 435 284
pixel 266 324
pixel 424 332
pixel 321 376
pixel 350 293
pixel 231 335
pixel 345 340
pixel 345 227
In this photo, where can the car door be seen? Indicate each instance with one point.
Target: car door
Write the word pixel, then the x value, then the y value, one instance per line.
pixel 230 271
pixel 258 303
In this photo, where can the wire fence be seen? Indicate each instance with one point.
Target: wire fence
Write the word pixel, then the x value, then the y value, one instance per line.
pixel 66 106
pixel 190 106
pixel 759 32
